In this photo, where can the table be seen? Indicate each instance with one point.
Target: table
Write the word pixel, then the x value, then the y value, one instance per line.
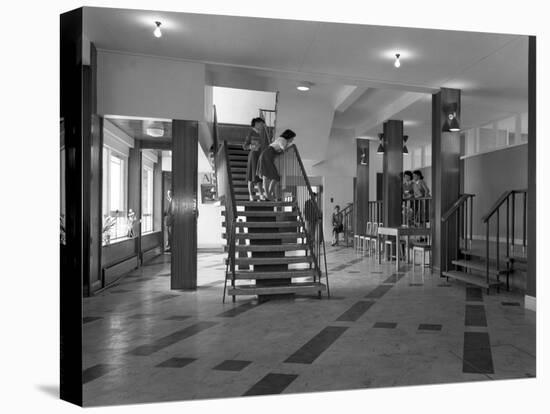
pixel 397 232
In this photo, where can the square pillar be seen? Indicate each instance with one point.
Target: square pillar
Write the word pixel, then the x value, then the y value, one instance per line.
pixel 392 169
pixel 184 185
pixel 531 288
pixel 361 187
pixel 445 173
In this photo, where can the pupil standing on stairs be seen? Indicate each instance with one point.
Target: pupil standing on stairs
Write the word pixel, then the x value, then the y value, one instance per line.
pixel 255 142
pixel 266 165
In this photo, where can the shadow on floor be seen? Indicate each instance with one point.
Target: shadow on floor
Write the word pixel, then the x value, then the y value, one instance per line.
pixel 49 389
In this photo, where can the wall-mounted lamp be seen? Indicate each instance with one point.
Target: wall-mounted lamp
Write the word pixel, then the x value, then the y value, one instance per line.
pixel 364 157
pixel 451 119
pixel 380 149
pixel 405 149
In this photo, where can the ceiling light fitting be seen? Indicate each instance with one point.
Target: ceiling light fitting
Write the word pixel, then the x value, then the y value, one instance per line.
pixel 397 62
pixel 155 132
pixel 304 86
pixel 157 32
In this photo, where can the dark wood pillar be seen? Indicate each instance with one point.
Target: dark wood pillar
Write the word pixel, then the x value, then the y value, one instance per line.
pixel 134 192
pixel 445 172
pixel 531 175
pixel 361 189
pixel 184 184
pixel 392 168
pixel 72 252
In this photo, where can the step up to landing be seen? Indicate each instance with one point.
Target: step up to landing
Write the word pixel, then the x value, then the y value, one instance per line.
pixel 300 288
pixel 290 247
pixel 476 280
pixel 479 266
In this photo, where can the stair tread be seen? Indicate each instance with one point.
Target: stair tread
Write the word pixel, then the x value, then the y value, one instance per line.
pixel 265 203
pixel 271 247
pixel 478 265
pixel 268 224
pixel 275 236
pixel 273 260
pixel 265 213
pixel 291 273
pixel 303 287
pixel 470 278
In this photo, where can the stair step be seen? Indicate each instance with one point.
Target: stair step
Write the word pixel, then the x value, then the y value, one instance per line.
pixel 265 236
pixel 272 247
pixel 272 260
pixel 303 288
pixel 265 213
pixel 250 274
pixel 267 224
pixel 479 266
pixel 470 278
pixel 265 203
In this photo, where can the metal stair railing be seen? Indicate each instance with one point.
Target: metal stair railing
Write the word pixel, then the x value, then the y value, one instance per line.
pixel 460 214
pixel 347 222
pixel 226 195
pixel 508 198
pixel 296 186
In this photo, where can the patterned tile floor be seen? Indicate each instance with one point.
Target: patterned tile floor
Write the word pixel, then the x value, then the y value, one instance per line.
pixel 145 343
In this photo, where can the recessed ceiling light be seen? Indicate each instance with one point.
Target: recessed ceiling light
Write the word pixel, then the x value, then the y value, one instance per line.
pixel 155 132
pixel 304 86
pixel 157 32
pixel 397 63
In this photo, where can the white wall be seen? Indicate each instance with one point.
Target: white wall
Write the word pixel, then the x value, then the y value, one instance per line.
pixel 209 223
pixel 239 106
pixel 143 86
pixel 311 119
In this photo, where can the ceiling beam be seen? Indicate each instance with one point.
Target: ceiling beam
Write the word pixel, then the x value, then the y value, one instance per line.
pixel 404 101
pixel 164 144
pixel 348 96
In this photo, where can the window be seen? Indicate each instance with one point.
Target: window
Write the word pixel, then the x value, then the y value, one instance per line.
pixel 117 223
pixel 146 198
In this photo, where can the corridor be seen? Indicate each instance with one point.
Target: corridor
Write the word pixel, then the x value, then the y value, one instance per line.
pixel 146 343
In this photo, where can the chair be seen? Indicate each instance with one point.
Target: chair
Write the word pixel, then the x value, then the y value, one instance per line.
pixel 422 248
pixel 363 240
pixel 373 238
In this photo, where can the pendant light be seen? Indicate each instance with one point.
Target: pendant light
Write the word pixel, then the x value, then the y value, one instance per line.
pixel 397 63
pixel 157 32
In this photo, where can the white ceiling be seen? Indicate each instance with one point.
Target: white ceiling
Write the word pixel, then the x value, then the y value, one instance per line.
pixel 490 69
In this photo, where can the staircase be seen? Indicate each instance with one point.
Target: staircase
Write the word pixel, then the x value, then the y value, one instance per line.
pixel 484 262
pixel 270 253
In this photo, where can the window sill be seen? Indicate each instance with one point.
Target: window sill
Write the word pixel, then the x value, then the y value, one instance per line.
pixel 116 241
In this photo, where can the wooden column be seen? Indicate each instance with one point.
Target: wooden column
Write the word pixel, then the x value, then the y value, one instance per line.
pixel 445 173
pixel 361 188
pixel 531 288
pixel 184 184
pixel 392 168
pixel 72 257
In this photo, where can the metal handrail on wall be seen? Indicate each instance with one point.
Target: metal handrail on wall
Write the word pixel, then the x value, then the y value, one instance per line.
pixel 460 214
pixel 295 187
pixel 226 195
pixel 508 198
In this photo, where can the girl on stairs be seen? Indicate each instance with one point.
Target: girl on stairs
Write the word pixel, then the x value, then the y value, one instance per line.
pixel 255 142
pixel 267 169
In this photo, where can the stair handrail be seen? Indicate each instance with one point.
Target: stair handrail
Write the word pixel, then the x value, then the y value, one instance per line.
pixel 455 206
pixel 500 201
pixel 505 197
pixel 319 223
pixel 462 211
pixel 347 220
pixel 226 194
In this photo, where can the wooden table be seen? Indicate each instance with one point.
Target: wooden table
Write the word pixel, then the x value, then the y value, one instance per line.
pixel 398 232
